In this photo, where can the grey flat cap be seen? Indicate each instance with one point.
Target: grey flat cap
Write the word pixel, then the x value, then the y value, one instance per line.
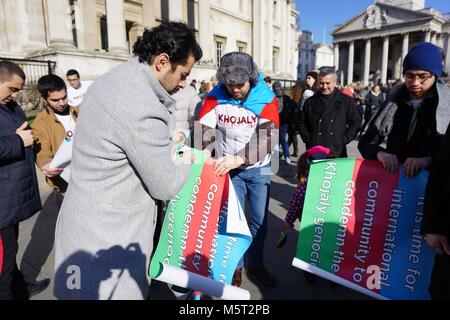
pixel 237 68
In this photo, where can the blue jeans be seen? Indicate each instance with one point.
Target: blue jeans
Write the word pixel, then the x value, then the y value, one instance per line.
pixel 283 141
pixel 254 185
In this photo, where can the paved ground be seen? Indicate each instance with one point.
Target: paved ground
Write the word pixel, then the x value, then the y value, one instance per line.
pixel 37 234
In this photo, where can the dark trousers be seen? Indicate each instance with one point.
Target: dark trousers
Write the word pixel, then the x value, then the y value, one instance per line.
pixel 440 278
pixel 10 246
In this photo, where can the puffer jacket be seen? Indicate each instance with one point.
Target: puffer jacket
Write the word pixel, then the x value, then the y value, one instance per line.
pixel 19 192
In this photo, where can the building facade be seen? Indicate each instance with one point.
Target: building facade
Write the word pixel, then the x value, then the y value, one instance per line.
pixel 372 45
pixel 305 54
pixel 323 55
pixel 93 36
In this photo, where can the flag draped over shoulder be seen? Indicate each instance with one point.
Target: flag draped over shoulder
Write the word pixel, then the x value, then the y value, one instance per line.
pixel 261 101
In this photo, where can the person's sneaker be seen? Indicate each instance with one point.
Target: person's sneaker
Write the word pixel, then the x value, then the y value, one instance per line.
pixel 288 160
pixel 37 287
pixel 295 154
pixel 237 278
pixel 261 275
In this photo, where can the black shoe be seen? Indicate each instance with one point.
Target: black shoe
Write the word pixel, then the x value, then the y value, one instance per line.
pixel 295 155
pixel 261 275
pixel 310 278
pixel 37 287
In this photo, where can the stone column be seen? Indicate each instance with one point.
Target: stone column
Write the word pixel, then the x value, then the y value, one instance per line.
pixel 287 49
pixel 447 54
pixel 283 49
pixel 36 26
pixel 427 36
pixel 258 33
pixel 384 62
pixel 433 38
pixel 367 62
pixel 175 10
pixel 3 35
pixel 115 19
pixel 405 45
pixel 14 32
pixel 351 54
pixel 204 30
pixel 268 59
pixel 60 24
pixel 336 55
pixel 398 59
pixel 87 32
pixel 148 13
pixel 99 31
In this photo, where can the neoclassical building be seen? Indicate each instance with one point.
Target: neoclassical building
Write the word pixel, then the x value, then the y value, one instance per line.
pixel 93 36
pixel 305 54
pixel 373 44
pixel 323 55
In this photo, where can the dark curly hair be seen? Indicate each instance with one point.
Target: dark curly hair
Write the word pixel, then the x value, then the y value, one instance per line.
pixel 50 83
pixel 173 38
pixel 303 164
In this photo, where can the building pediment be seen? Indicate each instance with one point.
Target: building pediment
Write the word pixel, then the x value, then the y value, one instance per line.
pixel 379 16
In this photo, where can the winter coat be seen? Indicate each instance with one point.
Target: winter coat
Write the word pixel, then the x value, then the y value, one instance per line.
pixel 436 217
pixel 333 125
pixel 19 192
pixel 49 133
pixel 121 164
pixel 407 138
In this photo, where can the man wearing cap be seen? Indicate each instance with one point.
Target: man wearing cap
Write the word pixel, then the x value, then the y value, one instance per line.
pixel 244 112
pixel 414 119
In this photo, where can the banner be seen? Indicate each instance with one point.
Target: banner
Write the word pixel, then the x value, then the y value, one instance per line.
pixel 204 235
pixel 361 228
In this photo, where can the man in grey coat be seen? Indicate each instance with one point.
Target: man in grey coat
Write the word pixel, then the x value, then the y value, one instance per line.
pixel 123 161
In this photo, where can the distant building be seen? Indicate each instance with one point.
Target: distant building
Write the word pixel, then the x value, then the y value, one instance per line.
pixel 305 54
pixel 93 36
pixel 373 44
pixel 323 55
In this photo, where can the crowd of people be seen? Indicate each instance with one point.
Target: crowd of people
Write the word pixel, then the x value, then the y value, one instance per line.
pixel 142 111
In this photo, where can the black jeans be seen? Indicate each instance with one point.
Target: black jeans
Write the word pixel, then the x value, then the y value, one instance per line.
pixel 10 246
pixel 440 278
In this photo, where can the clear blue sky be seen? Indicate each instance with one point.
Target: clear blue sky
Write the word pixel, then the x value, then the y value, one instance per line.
pixel 315 15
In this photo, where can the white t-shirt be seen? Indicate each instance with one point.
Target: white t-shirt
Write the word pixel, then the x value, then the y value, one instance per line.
pixel 75 96
pixel 67 121
pixel 237 126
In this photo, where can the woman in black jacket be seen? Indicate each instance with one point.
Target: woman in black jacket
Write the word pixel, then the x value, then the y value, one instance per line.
pixel 373 101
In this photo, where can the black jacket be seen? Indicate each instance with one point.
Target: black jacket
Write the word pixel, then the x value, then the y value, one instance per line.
pixel 289 114
pixel 424 139
pixel 19 193
pixel 436 217
pixel 333 125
